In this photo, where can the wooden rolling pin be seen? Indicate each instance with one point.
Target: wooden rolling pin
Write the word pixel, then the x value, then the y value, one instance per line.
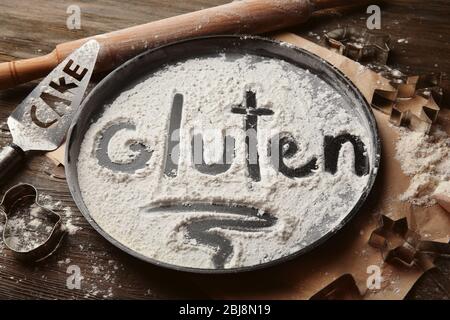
pixel 238 17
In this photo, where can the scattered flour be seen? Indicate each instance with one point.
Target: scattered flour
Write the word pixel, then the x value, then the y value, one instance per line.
pixel 99 277
pixel 128 205
pixel 65 212
pixel 104 278
pixel 68 225
pixel 424 158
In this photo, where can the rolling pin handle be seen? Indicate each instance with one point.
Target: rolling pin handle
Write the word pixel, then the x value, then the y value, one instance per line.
pixel 14 73
pixel 11 158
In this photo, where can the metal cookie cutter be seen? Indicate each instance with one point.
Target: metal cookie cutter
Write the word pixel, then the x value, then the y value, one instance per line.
pixel 359 44
pixel 398 243
pixel 343 288
pixel 414 100
pixel 19 201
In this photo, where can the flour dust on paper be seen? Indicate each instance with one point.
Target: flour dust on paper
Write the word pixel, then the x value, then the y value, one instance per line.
pixel 425 159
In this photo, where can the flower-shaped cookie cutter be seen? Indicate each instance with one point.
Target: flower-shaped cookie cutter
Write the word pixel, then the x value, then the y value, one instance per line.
pixel 26 196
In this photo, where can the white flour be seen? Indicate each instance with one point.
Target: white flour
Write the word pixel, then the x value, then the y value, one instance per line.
pixel 424 158
pixel 28 228
pixel 126 205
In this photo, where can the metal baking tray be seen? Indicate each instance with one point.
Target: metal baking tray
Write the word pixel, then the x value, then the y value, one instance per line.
pixel 150 61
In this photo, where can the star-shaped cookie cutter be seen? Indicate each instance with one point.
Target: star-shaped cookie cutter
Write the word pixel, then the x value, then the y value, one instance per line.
pixel 399 244
pixel 359 44
pixel 414 100
pixel 26 196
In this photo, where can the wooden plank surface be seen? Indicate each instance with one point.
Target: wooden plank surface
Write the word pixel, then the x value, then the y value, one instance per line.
pixel 29 28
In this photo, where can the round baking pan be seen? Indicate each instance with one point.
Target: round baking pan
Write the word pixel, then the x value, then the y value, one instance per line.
pixel 150 61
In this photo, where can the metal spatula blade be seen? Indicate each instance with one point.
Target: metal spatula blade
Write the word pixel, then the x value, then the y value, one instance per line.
pixel 41 121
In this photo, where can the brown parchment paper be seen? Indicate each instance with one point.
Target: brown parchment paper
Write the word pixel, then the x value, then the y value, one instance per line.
pixel 57 156
pixel 348 252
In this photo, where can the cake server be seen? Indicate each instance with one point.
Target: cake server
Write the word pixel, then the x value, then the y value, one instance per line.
pixel 41 121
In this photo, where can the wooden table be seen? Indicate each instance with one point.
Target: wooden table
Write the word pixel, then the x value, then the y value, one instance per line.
pixel 31 28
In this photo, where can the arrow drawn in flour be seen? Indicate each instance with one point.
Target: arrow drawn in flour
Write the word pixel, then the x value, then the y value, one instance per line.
pixel 201 228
